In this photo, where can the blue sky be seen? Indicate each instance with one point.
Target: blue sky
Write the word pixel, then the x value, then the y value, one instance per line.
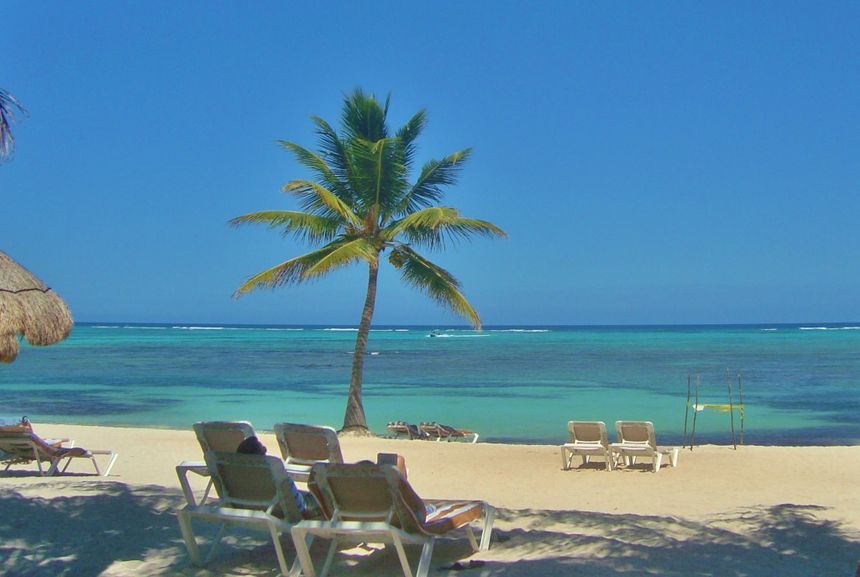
pixel 651 163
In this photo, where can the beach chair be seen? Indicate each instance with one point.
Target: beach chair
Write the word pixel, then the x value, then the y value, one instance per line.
pixel 587 438
pixel 637 439
pixel 304 445
pixel 222 436
pixel 254 491
pixel 439 432
pixel 373 503
pixel 22 446
pixel 404 429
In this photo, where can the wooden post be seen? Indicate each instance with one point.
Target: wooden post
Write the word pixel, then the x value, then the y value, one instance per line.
pixel 743 406
pixel 687 410
pixel 731 408
pixel 695 414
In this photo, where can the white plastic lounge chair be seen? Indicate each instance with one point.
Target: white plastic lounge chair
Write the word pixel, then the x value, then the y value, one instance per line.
pixel 22 445
pixel 213 436
pixel 637 439
pixel 408 430
pixel 254 491
pixel 587 438
pixel 368 502
pixel 304 445
pixel 441 432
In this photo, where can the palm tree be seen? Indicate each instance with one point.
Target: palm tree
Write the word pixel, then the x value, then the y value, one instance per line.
pixel 8 104
pixel 361 205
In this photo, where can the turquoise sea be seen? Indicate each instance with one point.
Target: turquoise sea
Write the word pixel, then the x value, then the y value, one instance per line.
pixel 801 383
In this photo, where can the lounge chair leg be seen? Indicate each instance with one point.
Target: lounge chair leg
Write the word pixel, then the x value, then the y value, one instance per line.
pixel 329 557
pixel 585 459
pixel 470 533
pixel 279 550
pixel 401 553
pixel 565 464
pixel 426 554
pixel 206 492
pixel 658 460
pixel 487 532
pixel 296 568
pixel 673 457
pixel 188 535
pixel 113 458
pixel 52 470
pixel 608 458
pixel 216 541
pixel 303 554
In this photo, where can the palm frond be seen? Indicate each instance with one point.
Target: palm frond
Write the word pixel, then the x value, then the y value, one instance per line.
pixel 407 135
pixel 8 105
pixel 434 281
pixel 304 226
pixel 311 265
pixel 349 252
pixel 363 117
pixel 383 177
pixel 321 201
pixel 335 152
pixel 320 168
pixel 435 174
pixel 431 226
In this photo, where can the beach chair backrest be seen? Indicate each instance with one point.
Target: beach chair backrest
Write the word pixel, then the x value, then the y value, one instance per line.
pixel 16 443
pixel 369 492
pixel 308 444
pixel 256 482
pixel 588 432
pixel 24 445
pixel 636 432
pixel 222 435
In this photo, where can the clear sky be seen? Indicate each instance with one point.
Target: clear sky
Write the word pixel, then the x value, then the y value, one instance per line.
pixel 651 162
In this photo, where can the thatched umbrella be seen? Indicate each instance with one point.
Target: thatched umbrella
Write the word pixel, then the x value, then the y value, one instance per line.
pixel 29 308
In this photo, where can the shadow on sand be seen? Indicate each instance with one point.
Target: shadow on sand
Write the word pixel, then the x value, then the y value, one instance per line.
pixel 91 525
pixel 783 540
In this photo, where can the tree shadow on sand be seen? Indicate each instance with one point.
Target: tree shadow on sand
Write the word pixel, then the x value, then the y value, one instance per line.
pixel 783 540
pixel 93 527
pixel 87 527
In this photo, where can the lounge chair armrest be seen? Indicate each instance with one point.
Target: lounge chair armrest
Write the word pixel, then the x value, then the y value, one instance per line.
pixel 182 470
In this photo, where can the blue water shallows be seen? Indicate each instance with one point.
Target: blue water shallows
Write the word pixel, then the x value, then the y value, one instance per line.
pixel 801 382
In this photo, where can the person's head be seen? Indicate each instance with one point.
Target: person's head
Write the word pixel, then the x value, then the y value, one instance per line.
pixel 251 446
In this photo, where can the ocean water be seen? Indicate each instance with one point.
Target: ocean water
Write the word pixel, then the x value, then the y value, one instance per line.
pixel 801 383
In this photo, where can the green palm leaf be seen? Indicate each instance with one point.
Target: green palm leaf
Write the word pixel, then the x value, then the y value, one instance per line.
pixel 336 154
pixel 311 265
pixel 319 200
pixel 363 117
pixel 407 135
pixel 433 280
pixel 304 226
pixel 320 167
pixel 435 175
pixel 431 226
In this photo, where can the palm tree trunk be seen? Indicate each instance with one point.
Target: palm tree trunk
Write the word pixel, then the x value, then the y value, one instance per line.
pixel 354 420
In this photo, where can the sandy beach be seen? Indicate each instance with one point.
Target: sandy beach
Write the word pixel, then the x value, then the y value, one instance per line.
pixel 757 511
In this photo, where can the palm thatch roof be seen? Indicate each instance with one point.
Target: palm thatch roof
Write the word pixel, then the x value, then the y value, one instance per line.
pixel 28 308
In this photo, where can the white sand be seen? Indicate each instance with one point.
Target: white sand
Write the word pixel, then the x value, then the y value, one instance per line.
pixel 758 511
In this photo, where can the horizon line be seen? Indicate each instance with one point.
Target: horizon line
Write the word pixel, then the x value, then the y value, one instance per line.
pixel 489 326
